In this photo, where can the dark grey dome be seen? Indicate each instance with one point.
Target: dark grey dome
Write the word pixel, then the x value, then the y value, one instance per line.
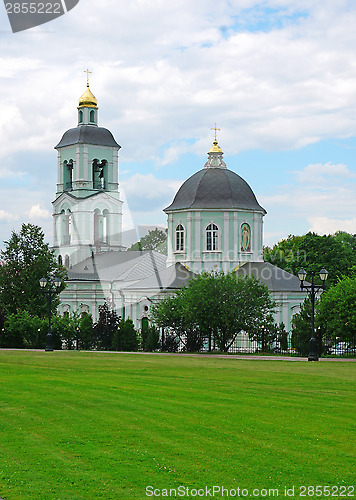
pixel 88 134
pixel 215 188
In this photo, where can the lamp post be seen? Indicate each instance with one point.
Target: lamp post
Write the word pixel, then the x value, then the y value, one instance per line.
pixel 313 289
pixel 50 288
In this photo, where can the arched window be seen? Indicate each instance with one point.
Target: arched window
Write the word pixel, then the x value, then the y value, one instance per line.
pixel 92 116
pixel 106 226
pixel 60 260
pixel 99 174
pixel 179 238
pixel 212 237
pixel 96 226
pixel 66 261
pixel 68 175
pixel 80 116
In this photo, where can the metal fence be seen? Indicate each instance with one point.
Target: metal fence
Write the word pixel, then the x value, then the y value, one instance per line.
pixel 287 345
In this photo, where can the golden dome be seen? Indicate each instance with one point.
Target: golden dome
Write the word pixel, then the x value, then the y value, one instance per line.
pixel 215 148
pixel 88 99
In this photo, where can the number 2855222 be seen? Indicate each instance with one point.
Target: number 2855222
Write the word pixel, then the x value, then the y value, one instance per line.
pixel 33 8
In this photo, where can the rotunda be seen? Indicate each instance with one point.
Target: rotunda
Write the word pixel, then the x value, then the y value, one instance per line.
pixel 215 221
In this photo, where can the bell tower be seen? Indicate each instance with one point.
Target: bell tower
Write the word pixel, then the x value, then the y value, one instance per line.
pixel 87 210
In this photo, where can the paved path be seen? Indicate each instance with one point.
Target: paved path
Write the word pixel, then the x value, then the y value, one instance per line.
pixel 220 356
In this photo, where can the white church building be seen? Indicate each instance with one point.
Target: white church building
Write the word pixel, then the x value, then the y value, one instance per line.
pixel 214 223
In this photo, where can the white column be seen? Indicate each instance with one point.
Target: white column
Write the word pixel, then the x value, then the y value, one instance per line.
pixel 236 238
pixel 256 238
pixel 226 254
pixel 86 164
pixel 197 257
pixel 77 165
pixel 170 241
pixel 189 238
pixel 115 166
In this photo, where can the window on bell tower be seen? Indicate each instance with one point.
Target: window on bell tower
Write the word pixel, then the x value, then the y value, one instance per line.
pixel 68 175
pixel 99 174
pixel 92 116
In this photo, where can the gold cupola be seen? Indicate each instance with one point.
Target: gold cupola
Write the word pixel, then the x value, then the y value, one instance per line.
pixel 88 99
pixel 215 148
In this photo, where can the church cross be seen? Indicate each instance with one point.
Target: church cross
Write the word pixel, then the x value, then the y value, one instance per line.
pixel 216 129
pixel 89 72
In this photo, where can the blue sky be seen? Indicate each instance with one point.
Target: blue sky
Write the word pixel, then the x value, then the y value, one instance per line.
pixel 278 78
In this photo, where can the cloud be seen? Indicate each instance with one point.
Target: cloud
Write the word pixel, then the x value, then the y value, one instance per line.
pixel 318 172
pixel 38 213
pixel 317 200
pixel 277 75
pixel 285 87
pixel 147 188
pixel 326 225
pixel 7 217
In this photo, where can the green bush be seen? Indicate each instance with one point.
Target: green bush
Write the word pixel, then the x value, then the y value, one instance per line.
pixel 22 330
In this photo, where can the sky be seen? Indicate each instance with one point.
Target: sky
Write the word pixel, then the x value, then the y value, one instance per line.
pixel 277 76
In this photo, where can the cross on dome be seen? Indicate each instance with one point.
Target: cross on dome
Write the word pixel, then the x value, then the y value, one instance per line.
pixel 216 129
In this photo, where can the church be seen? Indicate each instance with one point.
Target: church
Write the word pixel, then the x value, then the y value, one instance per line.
pixel 214 223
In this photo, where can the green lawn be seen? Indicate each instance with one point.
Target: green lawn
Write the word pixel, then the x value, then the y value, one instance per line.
pixel 93 426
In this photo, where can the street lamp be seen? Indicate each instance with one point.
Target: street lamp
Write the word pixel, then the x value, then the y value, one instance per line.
pixel 313 289
pixel 50 288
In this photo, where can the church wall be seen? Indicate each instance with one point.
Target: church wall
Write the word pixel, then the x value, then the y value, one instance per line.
pixel 229 253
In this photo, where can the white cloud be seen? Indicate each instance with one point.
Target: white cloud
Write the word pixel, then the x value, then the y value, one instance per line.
pixel 326 225
pixel 276 75
pixel 319 173
pixel 7 217
pixel 38 213
pixel 147 187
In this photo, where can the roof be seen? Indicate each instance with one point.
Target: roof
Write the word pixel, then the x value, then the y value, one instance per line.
pixel 88 134
pixel 215 188
pixel 170 278
pixel 118 266
pixel 276 279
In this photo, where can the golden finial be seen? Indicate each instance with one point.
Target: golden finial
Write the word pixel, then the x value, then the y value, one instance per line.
pixel 88 99
pixel 89 72
pixel 215 148
pixel 216 129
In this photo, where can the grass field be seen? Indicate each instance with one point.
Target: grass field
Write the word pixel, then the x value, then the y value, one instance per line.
pixel 93 426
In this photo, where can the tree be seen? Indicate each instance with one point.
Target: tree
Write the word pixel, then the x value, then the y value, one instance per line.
pixel 337 253
pixel 302 329
pixel 27 259
pixel 215 307
pixel 156 239
pixel 24 331
pixel 174 311
pixel 85 331
pixel 152 341
pixel 64 331
pixel 125 337
pixel 106 328
pixel 336 311
pixel 272 336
